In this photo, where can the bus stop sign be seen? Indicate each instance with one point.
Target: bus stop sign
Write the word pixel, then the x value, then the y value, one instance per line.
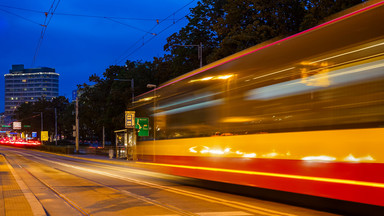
pixel 129 119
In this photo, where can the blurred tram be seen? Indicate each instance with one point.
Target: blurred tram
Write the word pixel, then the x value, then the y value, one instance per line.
pixel 303 114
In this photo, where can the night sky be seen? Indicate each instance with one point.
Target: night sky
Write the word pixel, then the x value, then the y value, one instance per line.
pixel 84 37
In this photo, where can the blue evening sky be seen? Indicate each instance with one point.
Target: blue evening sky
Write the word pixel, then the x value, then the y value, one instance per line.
pixel 78 46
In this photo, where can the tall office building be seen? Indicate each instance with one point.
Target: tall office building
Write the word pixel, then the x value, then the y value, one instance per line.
pixel 28 85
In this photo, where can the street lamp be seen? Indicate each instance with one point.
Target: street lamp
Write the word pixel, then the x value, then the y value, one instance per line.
pixel 41 121
pixel 154 110
pixel 132 100
pixel 199 51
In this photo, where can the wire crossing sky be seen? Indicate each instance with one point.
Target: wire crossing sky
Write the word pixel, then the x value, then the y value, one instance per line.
pixel 84 37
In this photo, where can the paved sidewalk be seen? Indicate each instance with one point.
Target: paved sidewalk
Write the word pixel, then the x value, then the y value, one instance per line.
pixel 13 200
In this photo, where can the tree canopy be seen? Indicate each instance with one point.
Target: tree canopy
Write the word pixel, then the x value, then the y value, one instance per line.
pixel 224 27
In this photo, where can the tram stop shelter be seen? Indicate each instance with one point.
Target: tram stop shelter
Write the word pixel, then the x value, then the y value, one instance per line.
pixel 125 144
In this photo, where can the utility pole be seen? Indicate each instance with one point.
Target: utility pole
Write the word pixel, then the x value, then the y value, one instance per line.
pixel 77 124
pixel 199 52
pixel 42 127
pixel 103 137
pixel 42 122
pixel 55 126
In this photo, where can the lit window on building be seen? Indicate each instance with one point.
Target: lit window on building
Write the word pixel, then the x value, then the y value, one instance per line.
pixel 24 80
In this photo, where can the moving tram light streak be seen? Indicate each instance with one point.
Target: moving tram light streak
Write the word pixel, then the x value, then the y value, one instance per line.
pixel 304 114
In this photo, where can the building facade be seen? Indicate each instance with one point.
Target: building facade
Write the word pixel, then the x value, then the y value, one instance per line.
pixel 28 85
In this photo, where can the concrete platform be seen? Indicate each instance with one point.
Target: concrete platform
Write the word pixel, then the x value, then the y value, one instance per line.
pixel 15 197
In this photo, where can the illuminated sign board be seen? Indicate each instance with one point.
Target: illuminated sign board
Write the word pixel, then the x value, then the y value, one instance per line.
pixel 129 119
pixel 142 124
pixel 44 135
pixel 16 125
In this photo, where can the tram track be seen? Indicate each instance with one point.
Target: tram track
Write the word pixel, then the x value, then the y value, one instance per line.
pixel 83 212
pixel 89 187
pixel 229 203
pixel 60 195
pixel 139 197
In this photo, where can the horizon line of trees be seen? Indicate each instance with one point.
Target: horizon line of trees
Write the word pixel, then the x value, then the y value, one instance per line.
pixel 224 27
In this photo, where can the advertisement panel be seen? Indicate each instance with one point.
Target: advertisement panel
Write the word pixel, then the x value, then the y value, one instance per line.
pixel 16 125
pixel 44 135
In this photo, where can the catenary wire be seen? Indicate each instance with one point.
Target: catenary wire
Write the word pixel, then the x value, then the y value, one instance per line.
pixel 45 25
pixel 130 26
pixel 85 15
pixel 44 29
pixel 135 50
pixel 29 20
pixel 124 56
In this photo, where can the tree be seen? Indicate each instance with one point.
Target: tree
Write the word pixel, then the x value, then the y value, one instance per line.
pixel 104 103
pixel 200 29
pixel 317 11
pixel 249 22
pixel 227 27
pixel 224 27
pixel 29 113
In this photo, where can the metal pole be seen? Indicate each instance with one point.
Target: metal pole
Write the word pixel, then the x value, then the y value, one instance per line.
pixel 154 125
pixel 134 156
pixel 42 127
pixel 55 126
pixel 200 54
pixel 117 151
pixel 199 51
pixel 42 123
pixel 133 90
pixel 103 137
pixel 77 125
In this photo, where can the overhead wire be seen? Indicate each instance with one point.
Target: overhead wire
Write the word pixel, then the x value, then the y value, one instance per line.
pixel 110 18
pixel 44 29
pixel 124 56
pixel 24 9
pixel 83 15
pixel 130 26
pixel 29 20
pixel 135 50
pixel 52 10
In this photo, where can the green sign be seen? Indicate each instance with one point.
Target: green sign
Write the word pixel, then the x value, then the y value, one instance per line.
pixel 142 124
pixel 27 125
pixel 5 125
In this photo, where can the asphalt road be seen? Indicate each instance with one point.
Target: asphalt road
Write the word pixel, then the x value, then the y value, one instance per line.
pixel 63 185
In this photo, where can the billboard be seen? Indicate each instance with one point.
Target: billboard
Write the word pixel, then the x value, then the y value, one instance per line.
pixel 16 125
